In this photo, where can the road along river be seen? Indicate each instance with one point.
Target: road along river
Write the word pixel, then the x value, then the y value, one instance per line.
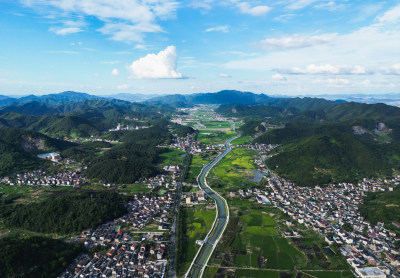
pixel 200 261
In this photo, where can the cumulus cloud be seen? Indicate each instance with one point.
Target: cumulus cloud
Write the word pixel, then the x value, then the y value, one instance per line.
pixel 223 29
pixel 160 65
pixel 326 69
pixel 123 20
pixel 278 77
pixel 225 75
pixel 392 70
pixel 296 41
pixel 245 8
pixel 115 72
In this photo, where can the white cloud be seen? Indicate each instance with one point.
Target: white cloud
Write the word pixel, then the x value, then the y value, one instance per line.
pixel 390 16
pixel 299 4
pixel 223 29
pixel 224 75
pixel 392 70
pixel 245 8
pixel 66 31
pixel 372 47
pixel 115 72
pixel 296 41
pixel 126 20
pixel 203 4
pixel 160 65
pixel 123 87
pixel 326 69
pixel 336 82
pixel 278 77
pixel 69 27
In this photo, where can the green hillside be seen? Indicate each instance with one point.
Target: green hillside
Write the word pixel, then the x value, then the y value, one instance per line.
pixel 333 157
pixel 35 256
pixel 18 149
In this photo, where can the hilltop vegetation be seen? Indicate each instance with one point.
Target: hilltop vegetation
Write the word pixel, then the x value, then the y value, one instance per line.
pixel 18 149
pixel 65 214
pixel 134 159
pixel 333 157
pixel 382 206
pixel 35 256
pixel 77 119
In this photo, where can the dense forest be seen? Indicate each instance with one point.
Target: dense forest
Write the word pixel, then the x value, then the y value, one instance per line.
pixel 132 160
pixel 333 157
pixel 18 149
pixel 35 257
pixel 65 214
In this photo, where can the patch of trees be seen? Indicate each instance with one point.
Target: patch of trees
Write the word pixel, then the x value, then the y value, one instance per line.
pixel 381 206
pixel 65 214
pixel 182 240
pixel 35 256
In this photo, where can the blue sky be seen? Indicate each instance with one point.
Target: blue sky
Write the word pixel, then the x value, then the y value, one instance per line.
pixel 294 47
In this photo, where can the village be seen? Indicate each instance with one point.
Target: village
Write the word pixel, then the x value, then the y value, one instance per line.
pixel 40 178
pixel 128 250
pixel 326 209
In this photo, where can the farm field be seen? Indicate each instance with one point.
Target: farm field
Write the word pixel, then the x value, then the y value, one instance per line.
pixel 213 137
pixel 198 221
pixel 254 244
pixel 242 140
pixel 217 124
pixel 233 171
pixel 195 167
pixel 172 157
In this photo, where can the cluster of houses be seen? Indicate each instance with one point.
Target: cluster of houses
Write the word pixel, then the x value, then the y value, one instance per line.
pixel 326 209
pixel 127 259
pixel 127 127
pixel 180 143
pixel 40 178
pixel 195 197
pixel 125 256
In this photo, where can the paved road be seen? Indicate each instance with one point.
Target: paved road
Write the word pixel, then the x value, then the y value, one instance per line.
pixel 200 261
pixel 172 262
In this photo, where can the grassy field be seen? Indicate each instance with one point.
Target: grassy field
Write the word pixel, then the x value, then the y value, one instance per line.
pixel 242 140
pixel 135 188
pixel 233 171
pixel 199 221
pixel 195 168
pixel 215 124
pixel 212 137
pixel 255 240
pixel 172 157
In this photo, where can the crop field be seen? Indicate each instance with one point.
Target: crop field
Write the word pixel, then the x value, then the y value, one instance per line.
pixel 172 157
pixel 195 168
pixel 233 171
pixel 256 242
pixel 215 124
pixel 198 222
pixel 242 140
pixel 212 137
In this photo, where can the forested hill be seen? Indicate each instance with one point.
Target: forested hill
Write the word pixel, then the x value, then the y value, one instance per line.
pixel 232 97
pixel 334 157
pixel 78 119
pixel 134 159
pixel 18 149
